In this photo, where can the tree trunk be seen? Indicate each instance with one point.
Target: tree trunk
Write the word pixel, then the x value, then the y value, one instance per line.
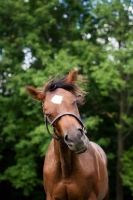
pixel 119 188
pixel 120 148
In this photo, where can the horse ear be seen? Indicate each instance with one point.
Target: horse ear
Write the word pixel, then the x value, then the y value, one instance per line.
pixel 72 76
pixel 34 92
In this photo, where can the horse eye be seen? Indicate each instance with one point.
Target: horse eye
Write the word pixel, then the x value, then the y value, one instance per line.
pixel 53 87
pixel 49 115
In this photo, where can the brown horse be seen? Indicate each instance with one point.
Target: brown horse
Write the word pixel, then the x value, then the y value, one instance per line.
pixel 74 167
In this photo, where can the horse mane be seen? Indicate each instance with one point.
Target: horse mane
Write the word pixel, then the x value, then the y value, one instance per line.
pixel 53 84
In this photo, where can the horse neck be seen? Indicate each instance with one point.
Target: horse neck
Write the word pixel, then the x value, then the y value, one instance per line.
pixel 64 157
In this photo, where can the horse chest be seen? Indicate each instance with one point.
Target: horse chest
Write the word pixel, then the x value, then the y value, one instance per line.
pixel 72 190
pixel 75 186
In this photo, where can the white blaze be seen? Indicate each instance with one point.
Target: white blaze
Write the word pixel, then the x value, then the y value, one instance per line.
pixel 57 99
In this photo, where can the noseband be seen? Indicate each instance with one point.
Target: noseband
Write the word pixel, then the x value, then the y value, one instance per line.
pixel 56 119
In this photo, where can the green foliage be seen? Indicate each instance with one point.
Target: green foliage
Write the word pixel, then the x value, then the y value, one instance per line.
pixel 92 122
pixel 22 175
pixel 104 142
pixel 107 75
pixel 127 173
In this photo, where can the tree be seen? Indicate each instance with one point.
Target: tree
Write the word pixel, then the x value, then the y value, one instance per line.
pixel 40 39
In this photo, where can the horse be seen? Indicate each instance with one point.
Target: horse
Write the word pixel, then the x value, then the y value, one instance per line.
pixel 74 167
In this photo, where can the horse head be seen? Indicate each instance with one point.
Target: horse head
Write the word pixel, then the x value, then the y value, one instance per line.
pixel 60 99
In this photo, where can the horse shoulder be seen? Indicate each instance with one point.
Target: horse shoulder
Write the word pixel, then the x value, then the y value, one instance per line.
pixel 101 169
pixel 99 152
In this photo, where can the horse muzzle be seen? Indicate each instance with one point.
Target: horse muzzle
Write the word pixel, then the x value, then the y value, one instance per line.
pixel 77 142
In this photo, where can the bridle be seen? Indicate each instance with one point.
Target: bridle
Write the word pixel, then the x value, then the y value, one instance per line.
pixel 46 119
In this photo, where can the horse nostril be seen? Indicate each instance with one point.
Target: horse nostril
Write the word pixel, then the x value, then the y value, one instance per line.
pixel 66 138
pixel 81 131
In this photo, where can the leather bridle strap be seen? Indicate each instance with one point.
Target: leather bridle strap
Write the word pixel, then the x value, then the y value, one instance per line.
pixel 57 118
pixel 67 113
pixel 56 138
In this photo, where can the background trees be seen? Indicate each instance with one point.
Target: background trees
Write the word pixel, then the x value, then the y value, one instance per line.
pixel 42 38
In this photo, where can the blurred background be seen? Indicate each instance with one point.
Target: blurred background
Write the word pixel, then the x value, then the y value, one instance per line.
pixel 41 38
